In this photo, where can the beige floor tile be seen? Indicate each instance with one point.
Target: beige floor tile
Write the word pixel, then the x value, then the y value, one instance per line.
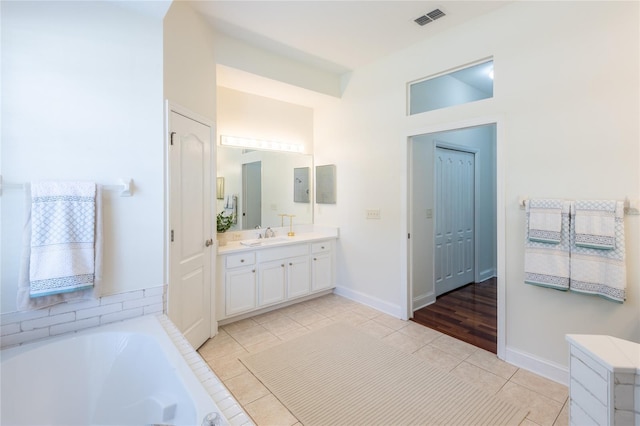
pixel 390 321
pixel 542 410
pixel 350 317
pixel 563 417
pixel 375 329
pixel 220 345
pixel 268 316
pixel 438 358
pixel 527 422
pixel 306 317
pixel 268 411
pixel 282 325
pixel 490 362
pixel 365 311
pixel 246 388
pixel 420 332
pixel 228 366
pixel 479 377
pixel 539 384
pixel 331 309
pixel 453 346
pixel 239 325
pixel 294 333
pixel 320 324
pixel 252 336
pixel 264 343
pixel 402 342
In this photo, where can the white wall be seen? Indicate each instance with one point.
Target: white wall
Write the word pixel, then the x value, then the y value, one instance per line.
pixel 188 60
pixel 245 115
pixel 82 100
pixel 567 103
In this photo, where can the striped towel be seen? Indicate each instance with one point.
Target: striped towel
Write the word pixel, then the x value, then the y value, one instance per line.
pixel 547 264
pixel 545 220
pixel 594 270
pixel 63 233
pixel 595 224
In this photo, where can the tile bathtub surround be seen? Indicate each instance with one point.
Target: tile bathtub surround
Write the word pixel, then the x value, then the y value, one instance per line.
pixel 547 401
pixel 23 327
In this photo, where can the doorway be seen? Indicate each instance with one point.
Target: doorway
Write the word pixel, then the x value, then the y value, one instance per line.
pixel 252 195
pixel 466 252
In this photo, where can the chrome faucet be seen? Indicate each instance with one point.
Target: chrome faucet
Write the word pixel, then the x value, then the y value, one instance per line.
pixel 269 233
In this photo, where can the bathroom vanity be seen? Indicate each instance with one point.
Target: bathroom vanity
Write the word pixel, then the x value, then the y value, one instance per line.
pixel 258 275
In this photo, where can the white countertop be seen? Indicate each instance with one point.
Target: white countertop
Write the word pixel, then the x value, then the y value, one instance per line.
pixel 280 240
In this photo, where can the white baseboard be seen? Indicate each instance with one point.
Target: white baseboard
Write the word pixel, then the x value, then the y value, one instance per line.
pixel 550 370
pixel 380 305
pixel 486 274
pixel 422 301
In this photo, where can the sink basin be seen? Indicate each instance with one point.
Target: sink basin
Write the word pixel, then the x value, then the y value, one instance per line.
pixel 263 241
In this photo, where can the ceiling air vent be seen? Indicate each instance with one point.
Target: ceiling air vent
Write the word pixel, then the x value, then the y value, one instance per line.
pixel 429 17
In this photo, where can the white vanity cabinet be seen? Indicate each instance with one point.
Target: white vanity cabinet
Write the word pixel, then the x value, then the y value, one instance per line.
pixel 240 279
pixel 321 265
pixel 254 279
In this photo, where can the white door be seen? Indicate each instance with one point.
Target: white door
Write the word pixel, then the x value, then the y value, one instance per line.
pixel 455 213
pixel 190 246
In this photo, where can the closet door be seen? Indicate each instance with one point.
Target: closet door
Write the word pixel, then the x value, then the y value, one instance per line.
pixel 455 217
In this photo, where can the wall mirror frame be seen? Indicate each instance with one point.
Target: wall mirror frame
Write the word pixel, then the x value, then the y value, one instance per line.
pixel 277 180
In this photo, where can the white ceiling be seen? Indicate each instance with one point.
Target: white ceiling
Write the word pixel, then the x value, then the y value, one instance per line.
pixel 338 35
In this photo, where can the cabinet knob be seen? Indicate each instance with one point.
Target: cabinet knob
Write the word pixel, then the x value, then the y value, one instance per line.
pixel 241 260
pixel 290 264
pixel 315 258
pixel 208 243
pixel 282 265
pixel 322 247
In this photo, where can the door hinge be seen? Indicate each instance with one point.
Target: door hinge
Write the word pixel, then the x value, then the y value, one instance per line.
pixel 409 236
pixel 172 235
pixel 171 137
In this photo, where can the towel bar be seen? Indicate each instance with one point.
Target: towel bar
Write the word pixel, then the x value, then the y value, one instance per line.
pixel 125 186
pixel 631 205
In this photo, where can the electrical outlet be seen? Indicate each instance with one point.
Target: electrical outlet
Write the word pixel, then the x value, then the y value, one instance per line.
pixel 429 213
pixel 373 213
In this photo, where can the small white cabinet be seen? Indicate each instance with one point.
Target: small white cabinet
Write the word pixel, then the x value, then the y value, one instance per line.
pixel 270 275
pixel 240 279
pixel 321 265
pixel 604 386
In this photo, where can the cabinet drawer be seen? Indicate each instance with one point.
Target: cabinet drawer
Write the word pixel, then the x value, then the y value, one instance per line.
pixel 243 259
pixel 321 247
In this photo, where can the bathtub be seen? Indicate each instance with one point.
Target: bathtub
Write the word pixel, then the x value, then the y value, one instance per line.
pixel 127 373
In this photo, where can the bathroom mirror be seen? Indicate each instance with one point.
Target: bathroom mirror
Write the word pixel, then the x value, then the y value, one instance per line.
pixel 326 184
pixel 265 184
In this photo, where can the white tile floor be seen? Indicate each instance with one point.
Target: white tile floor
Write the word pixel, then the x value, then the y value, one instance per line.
pixel 546 400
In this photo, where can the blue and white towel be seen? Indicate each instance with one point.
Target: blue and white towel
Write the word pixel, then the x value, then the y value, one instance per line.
pixel 595 225
pixel 545 220
pixel 63 235
pixel 547 264
pixel 594 270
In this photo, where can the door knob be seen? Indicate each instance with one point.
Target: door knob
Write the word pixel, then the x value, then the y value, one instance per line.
pixel 208 243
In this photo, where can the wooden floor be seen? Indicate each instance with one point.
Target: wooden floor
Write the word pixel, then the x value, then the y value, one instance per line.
pixel 468 313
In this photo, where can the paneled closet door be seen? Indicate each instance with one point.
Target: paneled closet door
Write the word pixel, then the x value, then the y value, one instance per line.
pixel 455 217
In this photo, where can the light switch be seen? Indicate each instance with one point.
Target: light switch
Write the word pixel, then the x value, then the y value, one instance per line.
pixel 373 214
pixel 429 213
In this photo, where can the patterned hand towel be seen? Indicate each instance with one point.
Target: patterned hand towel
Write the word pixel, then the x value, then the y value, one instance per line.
pixel 595 224
pixel 545 220
pixel 596 271
pixel 547 264
pixel 63 232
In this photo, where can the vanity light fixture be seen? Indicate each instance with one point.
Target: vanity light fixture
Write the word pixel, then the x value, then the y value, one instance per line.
pixel 260 144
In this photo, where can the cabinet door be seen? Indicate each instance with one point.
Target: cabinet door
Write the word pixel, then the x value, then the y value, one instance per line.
pixel 322 272
pixel 240 290
pixel 298 276
pixel 272 282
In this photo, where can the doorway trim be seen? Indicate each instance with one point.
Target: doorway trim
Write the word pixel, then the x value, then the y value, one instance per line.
pixel 407 296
